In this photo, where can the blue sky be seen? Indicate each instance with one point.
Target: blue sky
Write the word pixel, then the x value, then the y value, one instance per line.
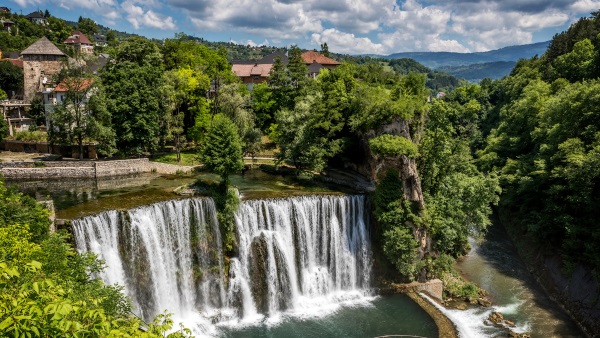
pixel 348 26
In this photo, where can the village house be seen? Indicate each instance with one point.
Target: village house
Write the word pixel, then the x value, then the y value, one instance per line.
pixel 253 72
pixel 37 18
pixel 4 10
pixel 41 62
pixel 100 40
pixel 13 112
pixel 7 25
pixel 80 43
pixel 57 95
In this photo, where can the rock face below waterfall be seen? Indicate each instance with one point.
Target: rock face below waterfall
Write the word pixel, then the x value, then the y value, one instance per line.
pixel 294 253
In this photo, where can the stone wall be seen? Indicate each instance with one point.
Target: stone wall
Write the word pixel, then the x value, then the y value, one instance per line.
pixel 48 172
pixel 122 167
pixel 87 169
pixel 433 288
pixel 35 68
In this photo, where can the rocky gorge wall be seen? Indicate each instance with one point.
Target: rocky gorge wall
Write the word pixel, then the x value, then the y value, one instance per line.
pixel 86 169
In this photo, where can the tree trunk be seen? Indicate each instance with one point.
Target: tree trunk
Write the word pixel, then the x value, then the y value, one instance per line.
pixel 80 141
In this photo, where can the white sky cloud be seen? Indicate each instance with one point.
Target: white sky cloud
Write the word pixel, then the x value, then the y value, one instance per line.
pixel 348 26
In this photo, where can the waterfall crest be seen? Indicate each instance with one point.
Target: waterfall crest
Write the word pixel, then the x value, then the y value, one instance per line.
pixel 296 256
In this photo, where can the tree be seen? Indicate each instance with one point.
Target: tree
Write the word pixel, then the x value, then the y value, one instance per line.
pixel 3 129
pixel 325 49
pixel 280 84
pixel 48 289
pixel 81 116
pixel 11 77
pixel 298 70
pixel 221 152
pixel 37 111
pixel 263 106
pixel 130 87
pixel 87 26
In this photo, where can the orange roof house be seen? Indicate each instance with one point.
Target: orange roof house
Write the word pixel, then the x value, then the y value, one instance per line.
pixel 79 85
pixel 252 72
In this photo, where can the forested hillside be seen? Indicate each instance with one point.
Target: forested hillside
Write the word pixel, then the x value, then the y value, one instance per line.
pixel 479 71
pixel 544 140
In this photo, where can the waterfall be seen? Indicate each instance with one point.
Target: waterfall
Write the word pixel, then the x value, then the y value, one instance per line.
pixel 300 256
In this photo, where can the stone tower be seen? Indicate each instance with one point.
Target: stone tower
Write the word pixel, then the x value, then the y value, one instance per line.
pixel 41 61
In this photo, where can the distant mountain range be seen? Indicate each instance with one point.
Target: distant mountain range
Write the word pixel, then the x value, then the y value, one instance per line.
pixel 475 66
pixel 479 71
pixel 438 59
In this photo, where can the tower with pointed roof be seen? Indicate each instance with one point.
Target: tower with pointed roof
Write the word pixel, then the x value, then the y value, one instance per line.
pixel 41 62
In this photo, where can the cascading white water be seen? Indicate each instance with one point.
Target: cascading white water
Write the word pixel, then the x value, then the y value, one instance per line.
pixel 296 256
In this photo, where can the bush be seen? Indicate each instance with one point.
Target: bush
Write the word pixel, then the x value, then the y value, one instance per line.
pixel 392 146
pixel 32 136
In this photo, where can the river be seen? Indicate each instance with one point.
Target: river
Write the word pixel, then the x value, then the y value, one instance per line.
pixel 494 265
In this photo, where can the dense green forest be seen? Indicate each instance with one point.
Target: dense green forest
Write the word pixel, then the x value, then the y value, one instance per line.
pixel 543 138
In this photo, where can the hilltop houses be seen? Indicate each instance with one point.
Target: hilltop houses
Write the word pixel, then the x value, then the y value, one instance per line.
pixel 100 40
pixel 80 43
pixel 257 71
pixel 37 18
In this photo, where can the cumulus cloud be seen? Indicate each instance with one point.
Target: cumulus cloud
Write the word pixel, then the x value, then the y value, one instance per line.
pixel 25 3
pixel 341 42
pixel 139 17
pixel 350 26
pixel 585 6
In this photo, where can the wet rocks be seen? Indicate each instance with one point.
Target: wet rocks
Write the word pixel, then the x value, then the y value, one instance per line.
pixel 513 334
pixel 496 317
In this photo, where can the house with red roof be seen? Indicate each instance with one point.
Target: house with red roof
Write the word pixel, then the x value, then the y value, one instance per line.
pixel 316 61
pixel 80 42
pixel 252 72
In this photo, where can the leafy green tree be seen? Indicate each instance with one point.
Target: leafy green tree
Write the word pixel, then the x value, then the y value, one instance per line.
pixel 280 84
pixel 37 111
pixel 11 77
pixel 300 141
pixel 87 26
pixel 577 64
pixel 18 208
pixel 298 70
pixel 81 116
pixel 3 129
pixel 325 49
pixel 263 106
pixel 130 86
pixel 47 288
pixel 221 152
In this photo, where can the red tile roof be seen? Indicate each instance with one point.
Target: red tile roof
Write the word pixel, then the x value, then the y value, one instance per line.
pixel 312 56
pixel 74 84
pixel 246 70
pixel 77 37
pixel 16 62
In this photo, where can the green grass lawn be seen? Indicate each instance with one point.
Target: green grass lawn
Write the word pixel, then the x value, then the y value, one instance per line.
pixel 186 159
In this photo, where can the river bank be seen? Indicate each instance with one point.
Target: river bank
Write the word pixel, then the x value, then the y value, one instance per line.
pixel 573 288
pixel 494 265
